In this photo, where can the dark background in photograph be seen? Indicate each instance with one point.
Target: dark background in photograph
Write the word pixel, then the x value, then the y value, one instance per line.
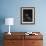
pixel 27 15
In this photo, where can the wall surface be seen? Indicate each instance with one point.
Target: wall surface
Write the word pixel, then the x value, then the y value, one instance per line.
pixel 11 8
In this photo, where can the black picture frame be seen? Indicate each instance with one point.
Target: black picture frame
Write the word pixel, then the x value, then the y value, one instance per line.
pixel 27 15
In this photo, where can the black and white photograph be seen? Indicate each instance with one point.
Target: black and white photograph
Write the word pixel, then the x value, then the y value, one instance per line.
pixel 27 15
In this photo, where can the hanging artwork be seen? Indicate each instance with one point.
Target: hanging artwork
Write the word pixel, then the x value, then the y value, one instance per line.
pixel 27 15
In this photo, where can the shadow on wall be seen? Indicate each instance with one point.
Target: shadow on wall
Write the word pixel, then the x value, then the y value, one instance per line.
pixel 2 21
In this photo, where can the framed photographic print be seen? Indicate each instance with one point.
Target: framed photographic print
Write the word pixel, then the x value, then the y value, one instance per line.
pixel 27 15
